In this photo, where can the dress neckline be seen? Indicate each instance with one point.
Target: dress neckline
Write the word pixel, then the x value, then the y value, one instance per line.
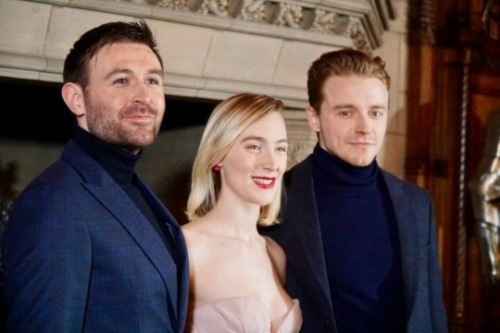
pixel 290 319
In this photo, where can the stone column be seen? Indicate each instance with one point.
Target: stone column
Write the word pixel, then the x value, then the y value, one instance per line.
pixel 301 139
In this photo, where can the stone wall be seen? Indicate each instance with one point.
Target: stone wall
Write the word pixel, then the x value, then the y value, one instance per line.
pixel 211 50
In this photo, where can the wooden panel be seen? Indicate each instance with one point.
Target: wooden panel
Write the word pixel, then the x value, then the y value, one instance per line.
pixel 446 124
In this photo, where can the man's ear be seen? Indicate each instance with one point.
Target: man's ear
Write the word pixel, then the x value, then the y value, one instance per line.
pixel 313 119
pixel 72 95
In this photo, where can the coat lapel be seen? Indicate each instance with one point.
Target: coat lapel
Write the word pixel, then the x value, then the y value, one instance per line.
pixel 408 239
pixel 301 210
pixel 139 228
pixel 180 249
pixel 110 194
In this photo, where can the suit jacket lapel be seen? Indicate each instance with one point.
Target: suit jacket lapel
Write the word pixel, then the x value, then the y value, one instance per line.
pixel 108 192
pixel 140 229
pixel 405 218
pixel 301 208
pixel 179 248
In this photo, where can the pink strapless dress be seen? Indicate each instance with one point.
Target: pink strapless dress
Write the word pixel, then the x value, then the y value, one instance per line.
pixel 243 315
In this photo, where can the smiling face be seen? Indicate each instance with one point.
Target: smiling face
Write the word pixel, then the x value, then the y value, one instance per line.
pixel 352 121
pixel 253 169
pixel 124 101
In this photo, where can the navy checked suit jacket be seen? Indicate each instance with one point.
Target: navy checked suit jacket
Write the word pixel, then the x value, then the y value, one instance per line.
pixel 78 256
pixel 300 236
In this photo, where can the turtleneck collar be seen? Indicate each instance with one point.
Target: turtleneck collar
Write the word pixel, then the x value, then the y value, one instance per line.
pixel 335 174
pixel 119 163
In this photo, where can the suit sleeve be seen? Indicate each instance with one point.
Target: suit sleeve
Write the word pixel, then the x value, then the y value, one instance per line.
pixel 46 255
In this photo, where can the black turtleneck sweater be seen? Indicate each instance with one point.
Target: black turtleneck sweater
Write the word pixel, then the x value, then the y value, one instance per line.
pixel 361 245
pixel 120 165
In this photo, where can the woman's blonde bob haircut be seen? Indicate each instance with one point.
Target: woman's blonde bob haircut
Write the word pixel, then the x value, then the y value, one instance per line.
pixel 226 123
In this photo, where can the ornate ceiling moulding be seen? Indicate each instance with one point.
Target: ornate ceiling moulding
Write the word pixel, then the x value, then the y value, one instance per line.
pixel 362 21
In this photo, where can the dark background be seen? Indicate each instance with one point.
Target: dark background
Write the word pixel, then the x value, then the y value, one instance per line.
pixel 36 111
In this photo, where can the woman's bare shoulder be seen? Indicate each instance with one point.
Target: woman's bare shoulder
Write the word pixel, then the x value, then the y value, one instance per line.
pixel 277 256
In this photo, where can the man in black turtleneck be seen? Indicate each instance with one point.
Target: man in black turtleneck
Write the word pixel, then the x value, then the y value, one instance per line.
pixel 88 246
pixel 361 244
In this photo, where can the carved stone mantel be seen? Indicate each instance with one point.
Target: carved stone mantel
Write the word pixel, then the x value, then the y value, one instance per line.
pixel 36 36
pixel 211 48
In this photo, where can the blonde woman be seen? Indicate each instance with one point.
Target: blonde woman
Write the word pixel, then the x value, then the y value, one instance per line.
pixel 237 275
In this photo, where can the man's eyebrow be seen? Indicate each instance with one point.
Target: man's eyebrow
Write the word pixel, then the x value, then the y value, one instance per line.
pixel 352 106
pixel 379 107
pixel 158 72
pixel 118 71
pixel 284 140
pixel 343 106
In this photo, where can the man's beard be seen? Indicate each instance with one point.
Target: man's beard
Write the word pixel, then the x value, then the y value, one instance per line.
pixel 118 132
